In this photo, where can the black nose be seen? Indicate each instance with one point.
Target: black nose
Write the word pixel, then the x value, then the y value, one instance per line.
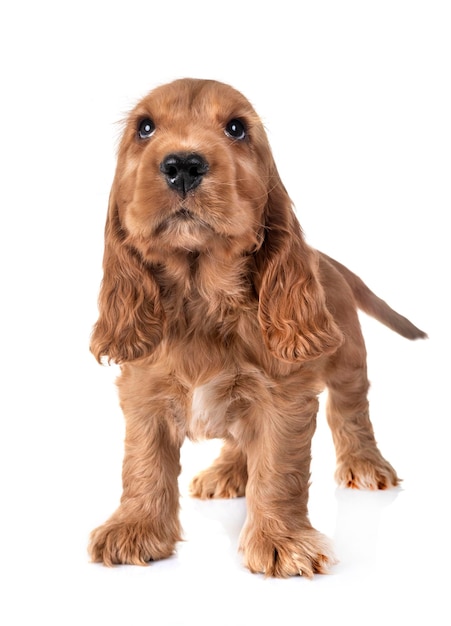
pixel 183 170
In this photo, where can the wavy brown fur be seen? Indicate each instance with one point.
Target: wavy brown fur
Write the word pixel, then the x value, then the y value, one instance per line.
pixel 226 324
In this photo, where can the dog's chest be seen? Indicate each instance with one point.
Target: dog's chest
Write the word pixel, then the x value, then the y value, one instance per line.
pixel 223 404
pixel 203 422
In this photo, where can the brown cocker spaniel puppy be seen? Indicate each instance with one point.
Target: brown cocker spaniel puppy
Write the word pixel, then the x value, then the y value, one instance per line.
pixel 226 324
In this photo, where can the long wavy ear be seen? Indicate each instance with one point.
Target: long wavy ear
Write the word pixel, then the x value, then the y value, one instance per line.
pixel 130 323
pixel 293 316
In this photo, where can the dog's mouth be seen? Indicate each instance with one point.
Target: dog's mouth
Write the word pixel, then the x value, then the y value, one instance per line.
pixel 183 221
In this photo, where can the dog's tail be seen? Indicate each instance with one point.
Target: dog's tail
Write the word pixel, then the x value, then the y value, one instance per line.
pixel 371 304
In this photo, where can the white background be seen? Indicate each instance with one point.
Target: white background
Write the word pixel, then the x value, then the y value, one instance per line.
pixel 356 97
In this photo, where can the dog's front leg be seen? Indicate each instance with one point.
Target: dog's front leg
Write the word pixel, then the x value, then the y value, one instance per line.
pixel 146 525
pixel 278 539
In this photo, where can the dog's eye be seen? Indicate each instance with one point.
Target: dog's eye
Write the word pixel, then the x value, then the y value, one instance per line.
pixel 235 129
pixel 146 128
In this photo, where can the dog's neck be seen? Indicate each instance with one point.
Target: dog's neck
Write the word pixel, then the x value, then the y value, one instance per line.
pixel 205 285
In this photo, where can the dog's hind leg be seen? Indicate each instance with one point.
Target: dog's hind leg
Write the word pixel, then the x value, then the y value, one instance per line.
pixel 227 476
pixel 360 465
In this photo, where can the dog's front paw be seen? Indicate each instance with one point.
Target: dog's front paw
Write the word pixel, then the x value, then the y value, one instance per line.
pixel 302 553
pixel 131 542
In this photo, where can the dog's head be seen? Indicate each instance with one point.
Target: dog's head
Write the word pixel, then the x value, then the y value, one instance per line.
pixel 195 175
pixel 194 170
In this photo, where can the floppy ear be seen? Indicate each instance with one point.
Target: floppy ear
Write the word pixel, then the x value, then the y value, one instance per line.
pixel 130 323
pixel 293 316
